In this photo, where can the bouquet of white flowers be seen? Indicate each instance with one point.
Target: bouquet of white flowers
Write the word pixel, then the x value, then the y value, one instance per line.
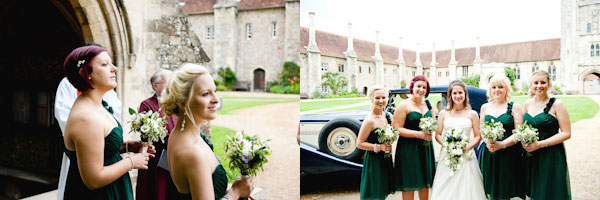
pixel 149 124
pixel 387 135
pixel 492 131
pixel 526 134
pixel 454 140
pixel 428 125
pixel 246 153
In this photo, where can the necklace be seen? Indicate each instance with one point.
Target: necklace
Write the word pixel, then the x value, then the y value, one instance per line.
pixel 537 105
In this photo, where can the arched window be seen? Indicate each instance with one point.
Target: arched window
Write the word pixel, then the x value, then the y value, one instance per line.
pixel 592 50
pixel 597 50
pixel 518 72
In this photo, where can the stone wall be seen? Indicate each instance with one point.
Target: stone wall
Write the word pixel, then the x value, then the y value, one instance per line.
pixel 262 50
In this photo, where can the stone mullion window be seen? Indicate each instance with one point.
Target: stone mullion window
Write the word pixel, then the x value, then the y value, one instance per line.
pixel 248 31
pixel 210 33
pixel 273 30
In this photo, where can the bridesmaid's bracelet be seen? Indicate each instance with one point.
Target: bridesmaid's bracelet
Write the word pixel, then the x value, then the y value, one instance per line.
pixel 546 143
pixel 131 163
pixel 376 148
pixel 226 197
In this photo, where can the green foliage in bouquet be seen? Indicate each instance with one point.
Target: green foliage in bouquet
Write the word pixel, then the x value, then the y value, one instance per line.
pixel 149 124
pixel 246 153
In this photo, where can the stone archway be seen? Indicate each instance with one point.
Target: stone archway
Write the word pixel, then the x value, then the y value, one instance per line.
pixel 37 39
pixel 590 81
pixel 259 80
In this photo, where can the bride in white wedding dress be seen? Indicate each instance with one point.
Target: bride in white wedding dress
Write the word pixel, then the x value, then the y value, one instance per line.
pixel 467 182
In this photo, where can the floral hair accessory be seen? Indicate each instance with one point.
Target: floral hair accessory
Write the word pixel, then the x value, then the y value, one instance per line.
pixel 79 63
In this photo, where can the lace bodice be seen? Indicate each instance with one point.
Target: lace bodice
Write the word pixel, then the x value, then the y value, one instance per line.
pixel 459 122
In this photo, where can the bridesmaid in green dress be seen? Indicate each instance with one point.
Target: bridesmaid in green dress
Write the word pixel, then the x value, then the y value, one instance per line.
pixel 502 162
pixel 195 169
pixel 415 162
pixel 93 136
pixel 375 180
pixel 548 171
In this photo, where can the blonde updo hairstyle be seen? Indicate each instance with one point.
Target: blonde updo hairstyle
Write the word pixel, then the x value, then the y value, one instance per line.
pixel 502 80
pixel 179 88
pixel 540 72
pixel 373 89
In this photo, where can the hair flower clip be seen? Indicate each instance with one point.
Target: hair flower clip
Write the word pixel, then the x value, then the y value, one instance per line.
pixel 79 63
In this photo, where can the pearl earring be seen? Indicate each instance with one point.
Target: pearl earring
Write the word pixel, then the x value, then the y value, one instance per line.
pixel 182 124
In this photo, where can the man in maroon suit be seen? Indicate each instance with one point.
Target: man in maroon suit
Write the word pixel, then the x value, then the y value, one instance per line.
pixel 156 183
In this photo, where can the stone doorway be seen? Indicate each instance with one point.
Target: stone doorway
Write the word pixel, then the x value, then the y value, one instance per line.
pixel 259 80
pixel 591 83
pixel 36 40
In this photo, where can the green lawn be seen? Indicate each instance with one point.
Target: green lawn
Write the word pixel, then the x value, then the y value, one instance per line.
pixel 264 98
pixel 314 105
pixel 219 135
pixel 579 108
pixel 230 105
pixel 348 109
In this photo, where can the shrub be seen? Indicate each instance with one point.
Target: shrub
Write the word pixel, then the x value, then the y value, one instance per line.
pixel 556 90
pixel 316 94
pixel 471 80
pixel 289 80
pixel 403 84
pixel 228 76
pixel 525 88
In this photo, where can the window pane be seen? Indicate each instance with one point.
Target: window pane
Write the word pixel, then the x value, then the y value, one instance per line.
pixel 589 27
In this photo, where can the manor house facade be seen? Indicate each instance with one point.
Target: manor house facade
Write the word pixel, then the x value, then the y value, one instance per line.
pixel 365 63
pixel 253 38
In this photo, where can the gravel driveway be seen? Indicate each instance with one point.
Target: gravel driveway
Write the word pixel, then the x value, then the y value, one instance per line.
pixel 278 122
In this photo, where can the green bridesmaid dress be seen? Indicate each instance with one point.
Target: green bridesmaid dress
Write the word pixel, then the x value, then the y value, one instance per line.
pixel 504 171
pixel 415 163
pixel 376 182
pixel 548 171
pixel 219 178
pixel 119 189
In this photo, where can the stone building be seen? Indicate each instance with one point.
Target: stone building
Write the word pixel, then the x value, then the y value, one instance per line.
pixel 254 38
pixel 580 42
pixel 365 63
pixel 140 37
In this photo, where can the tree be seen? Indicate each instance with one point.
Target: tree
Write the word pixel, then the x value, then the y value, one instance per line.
pixel 335 81
pixel 511 74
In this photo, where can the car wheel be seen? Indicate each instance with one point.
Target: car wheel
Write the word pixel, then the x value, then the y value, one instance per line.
pixel 338 138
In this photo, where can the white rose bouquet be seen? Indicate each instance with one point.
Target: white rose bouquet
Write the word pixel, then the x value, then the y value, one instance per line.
pixel 428 125
pixel 246 153
pixel 454 140
pixel 526 134
pixel 387 135
pixel 492 131
pixel 149 124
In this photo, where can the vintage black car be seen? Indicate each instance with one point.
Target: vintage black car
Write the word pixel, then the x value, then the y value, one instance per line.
pixel 328 141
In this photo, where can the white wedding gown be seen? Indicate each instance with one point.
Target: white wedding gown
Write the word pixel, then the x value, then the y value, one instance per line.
pixel 467 181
